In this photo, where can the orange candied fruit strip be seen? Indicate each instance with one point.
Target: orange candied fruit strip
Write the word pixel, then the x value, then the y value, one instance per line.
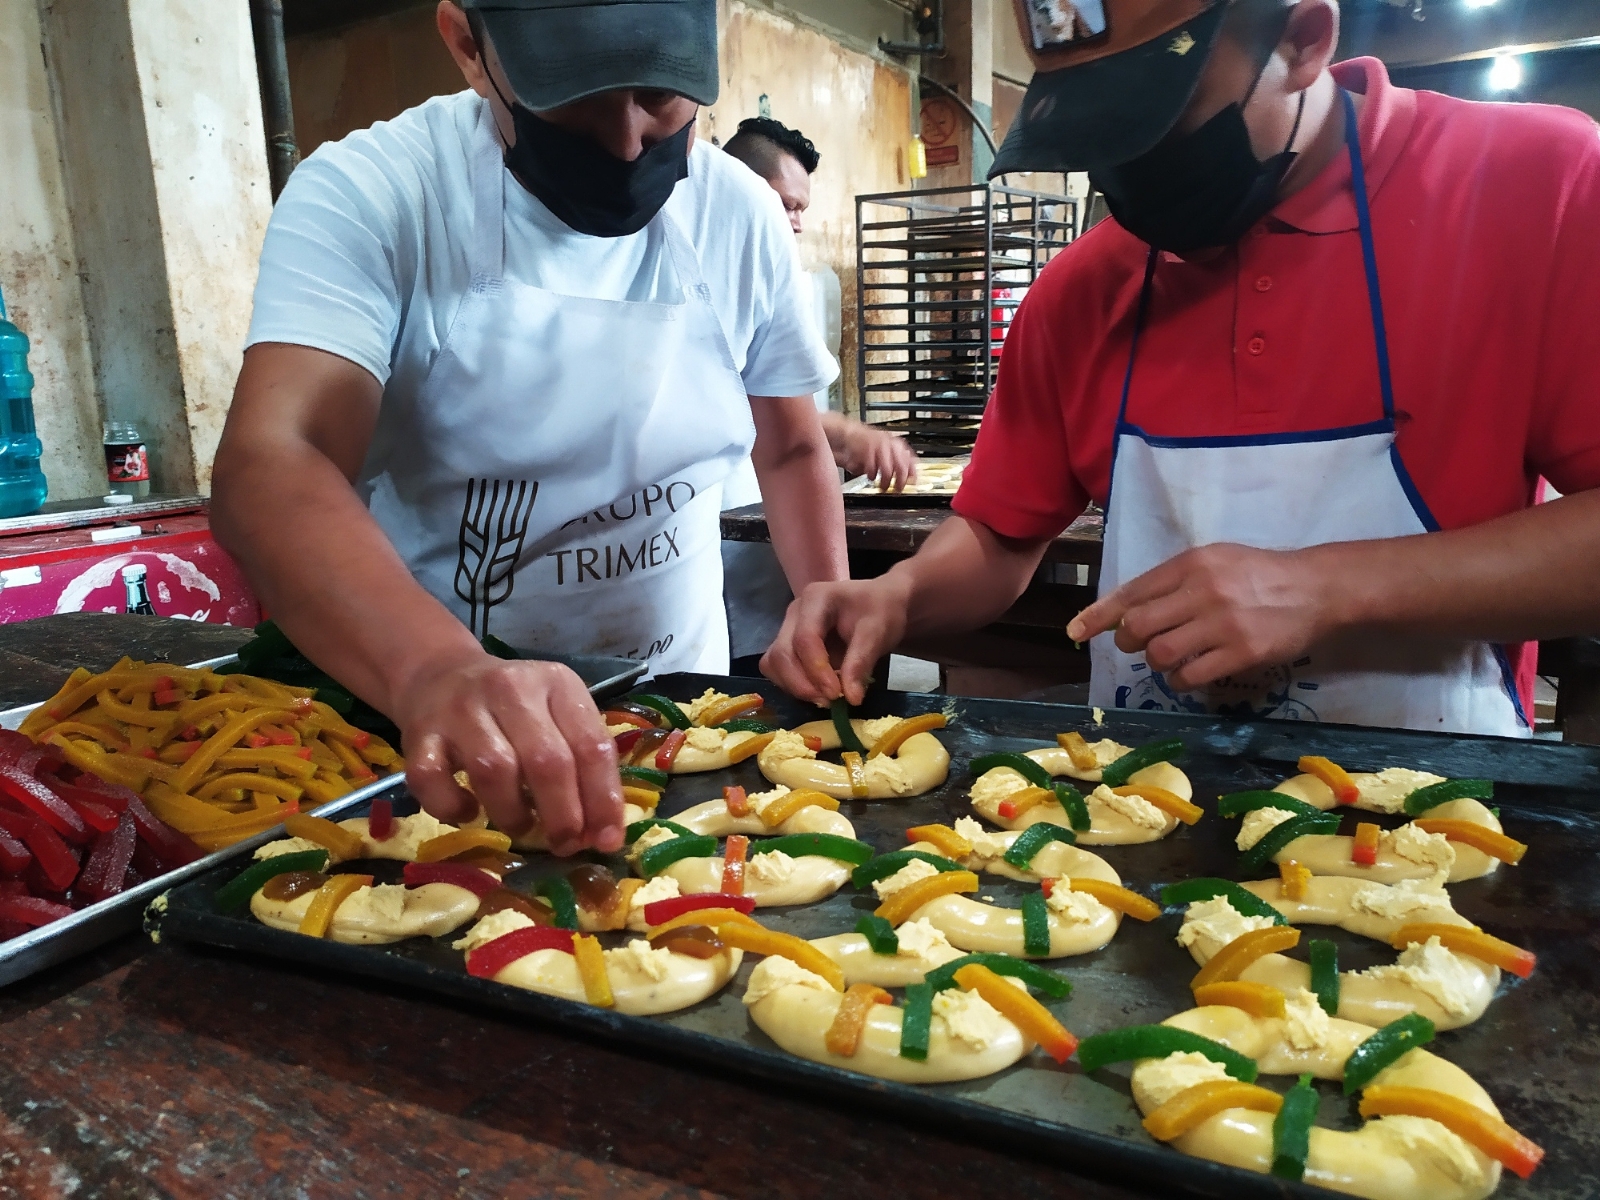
pixel 1035 1021
pixel 1293 879
pixel 1331 773
pixel 897 909
pixel 857 770
pixel 784 807
pixel 645 798
pixel 1479 837
pixel 1257 999
pixel 750 747
pixel 733 706
pixel 942 838
pixel 447 845
pixel 711 918
pixel 1469 940
pixel 1113 896
pixel 1229 962
pixel 733 859
pixel 1170 803
pixel 1200 1103
pixel 1467 1121
pixel 592 971
pixel 326 902
pixel 757 939
pixel 1364 852
pixel 844 1035
pixel 737 800
pixel 910 727
pixel 1078 751
pixel 1018 803
pixel 338 841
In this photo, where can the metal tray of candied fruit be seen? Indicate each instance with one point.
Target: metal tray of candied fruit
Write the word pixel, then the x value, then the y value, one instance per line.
pixel 1536 1050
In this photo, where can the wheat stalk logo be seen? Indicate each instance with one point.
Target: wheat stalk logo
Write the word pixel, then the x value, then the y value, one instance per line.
pixel 494 524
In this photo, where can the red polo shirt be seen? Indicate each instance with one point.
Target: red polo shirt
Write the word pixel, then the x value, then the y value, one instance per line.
pixel 1486 219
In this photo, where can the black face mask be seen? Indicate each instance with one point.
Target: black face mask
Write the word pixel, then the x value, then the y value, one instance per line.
pixel 588 188
pixel 1205 188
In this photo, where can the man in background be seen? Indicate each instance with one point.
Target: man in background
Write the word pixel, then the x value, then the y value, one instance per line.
pixel 754 588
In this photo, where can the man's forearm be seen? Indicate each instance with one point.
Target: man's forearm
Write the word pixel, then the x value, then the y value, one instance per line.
pixel 964 577
pixel 800 489
pixel 1528 575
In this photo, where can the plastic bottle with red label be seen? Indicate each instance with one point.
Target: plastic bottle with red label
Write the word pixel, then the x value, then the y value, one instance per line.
pixel 127 460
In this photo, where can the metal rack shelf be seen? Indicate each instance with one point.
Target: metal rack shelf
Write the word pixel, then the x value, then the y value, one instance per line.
pixel 941 273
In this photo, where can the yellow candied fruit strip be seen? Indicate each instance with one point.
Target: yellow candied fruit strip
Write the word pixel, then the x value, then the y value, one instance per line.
pixel 784 807
pixel 857 771
pixel 592 971
pixel 844 1035
pixel 1479 837
pixel 1078 751
pixel 249 781
pixel 1170 803
pixel 733 706
pixel 339 841
pixel 1480 1129
pixel 750 747
pixel 1257 999
pixel 40 718
pixel 1293 879
pixel 223 740
pixel 711 918
pixel 1028 798
pixel 897 909
pixel 896 735
pixel 279 758
pixel 326 902
pixel 1200 1103
pixel 641 797
pixel 446 845
pixel 1033 1019
pixel 1232 959
pixel 942 838
pixel 1114 896
pixel 758 939
pixel 1331 773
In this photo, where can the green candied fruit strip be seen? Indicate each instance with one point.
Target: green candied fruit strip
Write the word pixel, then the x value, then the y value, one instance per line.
pixel 1158 1041
pixel 1048 982
pixel 1324 956
pixel 1136 760
pixel 1435 794
pixel 1280 836
pixel 824 845
pixel 1035 925
pixel 1245 903
pixel 1236 804
pixel 1071 799
pixel 1384 1048
pixel 639 828
pixel 916 1023
pixel 1291 1130
pixel 746 725
pixel 839 711
pixel 648 775
pixel 674 715
pixel 886 865
pixel 236 893
pixel 1020 763
pixel 663 854
pixel 879 933
pixel 562 899
pixel 1034 839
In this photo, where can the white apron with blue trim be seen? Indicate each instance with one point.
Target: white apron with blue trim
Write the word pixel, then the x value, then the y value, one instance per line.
pixel 1290 491
pixel 556 479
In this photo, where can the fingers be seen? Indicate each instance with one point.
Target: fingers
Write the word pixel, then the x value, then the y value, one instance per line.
pixel 868 642
pixel 1144 622
pixel 1107 612
pixel 595 763
pixel 430 776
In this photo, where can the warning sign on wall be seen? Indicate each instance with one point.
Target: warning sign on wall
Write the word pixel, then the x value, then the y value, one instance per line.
pixel 944 156
pixel 940 121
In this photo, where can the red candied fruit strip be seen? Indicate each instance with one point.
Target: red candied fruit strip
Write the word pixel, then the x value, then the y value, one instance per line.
pixel 380 820
pixel 105 873
pixel 171 847
pixel 51 856
pixel 34 796
pixel 14 856
pixel 462 875
pixel 489 959
pixel 31 910
pixel 662 911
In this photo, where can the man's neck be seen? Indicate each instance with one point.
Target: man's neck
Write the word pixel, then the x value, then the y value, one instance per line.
pixel 1322 135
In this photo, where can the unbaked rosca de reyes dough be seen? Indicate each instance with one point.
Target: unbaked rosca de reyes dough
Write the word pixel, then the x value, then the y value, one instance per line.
pixel 772 877
pixel 918 765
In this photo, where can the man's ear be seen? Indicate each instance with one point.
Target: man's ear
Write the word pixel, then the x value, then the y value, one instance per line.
pixel 456 30
pixel 1309 42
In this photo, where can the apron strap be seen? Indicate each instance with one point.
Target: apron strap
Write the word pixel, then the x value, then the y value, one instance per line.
pixel 1138 328
pixel 1369 254
pixel 488 261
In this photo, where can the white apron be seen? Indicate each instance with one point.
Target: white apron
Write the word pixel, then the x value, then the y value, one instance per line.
pixel 1288 491
pixel 556 478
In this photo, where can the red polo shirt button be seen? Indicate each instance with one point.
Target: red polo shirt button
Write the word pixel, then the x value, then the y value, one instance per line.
pixel 1257 344
pixel 1264 283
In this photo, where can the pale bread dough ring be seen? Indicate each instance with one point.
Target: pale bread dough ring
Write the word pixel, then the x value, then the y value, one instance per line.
pixel 1107 826
pixel 921 756
pixel 432 910
pixel 1056 860
pixel 1371 1001
pixel 974 926
pixel 855 956
pixel 713 819
pixel 692 760
pixel 797 1018
pixel 814 878
pixel 1329 853
pixel 689 980
pixel 1364 1162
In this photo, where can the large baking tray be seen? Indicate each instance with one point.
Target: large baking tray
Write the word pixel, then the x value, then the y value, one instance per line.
pixel 1536 1050
pixel 100 923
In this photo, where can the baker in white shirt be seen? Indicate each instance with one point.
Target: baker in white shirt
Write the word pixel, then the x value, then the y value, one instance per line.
pixel 506 348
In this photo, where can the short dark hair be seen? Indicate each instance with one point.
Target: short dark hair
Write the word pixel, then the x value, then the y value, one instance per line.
pixel 760 140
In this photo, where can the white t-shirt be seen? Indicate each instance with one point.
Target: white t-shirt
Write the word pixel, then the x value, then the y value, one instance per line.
pixel 367 255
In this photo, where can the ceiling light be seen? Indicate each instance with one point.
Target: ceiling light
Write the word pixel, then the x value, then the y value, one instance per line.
pixel 1479 3
pixel 1505 73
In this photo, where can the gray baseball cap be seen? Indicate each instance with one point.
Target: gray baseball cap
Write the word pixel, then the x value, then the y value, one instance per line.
pixel 558 51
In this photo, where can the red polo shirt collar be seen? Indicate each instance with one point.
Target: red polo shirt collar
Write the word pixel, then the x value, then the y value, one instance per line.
pixel 1326 204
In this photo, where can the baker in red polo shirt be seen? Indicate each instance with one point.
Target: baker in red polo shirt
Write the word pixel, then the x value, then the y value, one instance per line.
pixel 1313 369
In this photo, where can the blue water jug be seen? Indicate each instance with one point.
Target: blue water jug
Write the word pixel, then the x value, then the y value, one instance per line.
pixel 22 483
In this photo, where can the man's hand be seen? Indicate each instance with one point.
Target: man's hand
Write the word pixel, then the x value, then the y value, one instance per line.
pixel 833 634
pixel 885 458
pixel 528 736
pixel 1216 611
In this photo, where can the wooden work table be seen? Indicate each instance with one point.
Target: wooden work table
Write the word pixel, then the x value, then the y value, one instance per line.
pixel 145 1071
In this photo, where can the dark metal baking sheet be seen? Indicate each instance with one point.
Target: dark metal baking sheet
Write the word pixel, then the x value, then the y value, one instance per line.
pixel 1536 1050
